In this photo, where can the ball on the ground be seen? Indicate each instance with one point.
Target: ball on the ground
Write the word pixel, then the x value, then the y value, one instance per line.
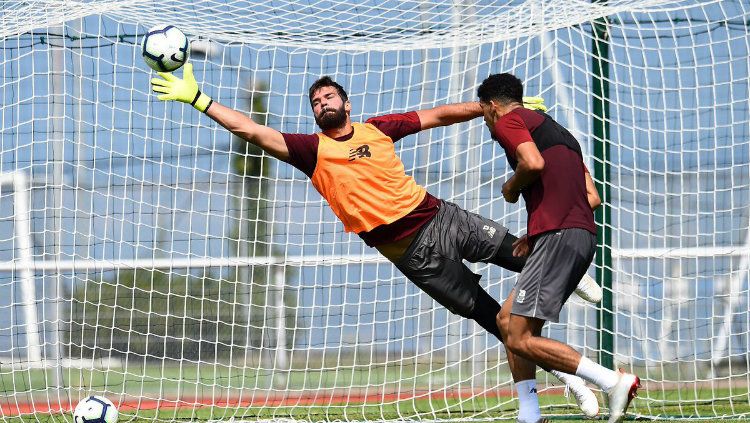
pixel 95 409
pixel 165 48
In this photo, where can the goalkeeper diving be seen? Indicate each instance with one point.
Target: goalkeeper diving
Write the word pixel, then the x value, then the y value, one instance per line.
pixel 355 168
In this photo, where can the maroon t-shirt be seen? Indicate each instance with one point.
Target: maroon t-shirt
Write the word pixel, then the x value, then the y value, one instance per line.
pixel 303 154
pixel 557 200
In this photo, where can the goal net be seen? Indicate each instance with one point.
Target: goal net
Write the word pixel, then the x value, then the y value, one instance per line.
pixel 148 256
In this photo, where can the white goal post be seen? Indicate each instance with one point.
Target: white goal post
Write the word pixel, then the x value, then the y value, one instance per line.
pixel 23 262
pixel 161 262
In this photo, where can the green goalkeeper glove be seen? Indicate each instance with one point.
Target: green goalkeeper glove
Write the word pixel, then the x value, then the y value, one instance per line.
pixel 534 103
pixel 184 90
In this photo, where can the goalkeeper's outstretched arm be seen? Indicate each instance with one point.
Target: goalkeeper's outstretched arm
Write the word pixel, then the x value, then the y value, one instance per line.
pixel 449 114
pixel 241 125
pixel 186 90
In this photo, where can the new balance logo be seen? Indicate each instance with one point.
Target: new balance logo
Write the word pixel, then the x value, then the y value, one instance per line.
pixel 359 152
pixel 521 297
pixel 490 230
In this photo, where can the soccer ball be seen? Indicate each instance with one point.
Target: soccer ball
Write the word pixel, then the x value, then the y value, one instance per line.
pixel 95 409
pixel 165 48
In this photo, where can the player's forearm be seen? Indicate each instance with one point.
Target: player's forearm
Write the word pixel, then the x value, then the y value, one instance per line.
pixel 186 90
pixel 594 201
pixel 523 177
pixel 460 112
pixel 449 114
pixel 529 168
pixel 270 140
pixel 592 194
pixel 234 121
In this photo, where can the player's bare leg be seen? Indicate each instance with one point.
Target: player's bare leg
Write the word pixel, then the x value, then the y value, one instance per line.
pixel 520 338
pixel 524 376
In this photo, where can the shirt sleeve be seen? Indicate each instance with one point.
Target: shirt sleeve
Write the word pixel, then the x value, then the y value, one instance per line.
pixel 303 151
pixel 398 125
pixel 511 132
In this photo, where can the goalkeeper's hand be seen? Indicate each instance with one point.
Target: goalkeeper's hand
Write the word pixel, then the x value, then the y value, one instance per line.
pixel 534 103
pixel 184 90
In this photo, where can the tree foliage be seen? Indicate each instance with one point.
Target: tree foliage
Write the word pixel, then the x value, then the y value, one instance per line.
pixel 157 314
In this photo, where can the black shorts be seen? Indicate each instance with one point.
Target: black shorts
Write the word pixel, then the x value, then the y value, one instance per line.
pixel 557 262
pixel 434 260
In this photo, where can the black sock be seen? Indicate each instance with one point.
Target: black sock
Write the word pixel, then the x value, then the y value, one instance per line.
pixel 504 256
pixel 485 313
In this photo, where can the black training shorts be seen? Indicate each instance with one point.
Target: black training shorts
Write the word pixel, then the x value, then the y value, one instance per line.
pixel 434 260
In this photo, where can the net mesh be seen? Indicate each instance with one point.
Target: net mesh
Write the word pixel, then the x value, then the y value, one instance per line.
pixel 181 273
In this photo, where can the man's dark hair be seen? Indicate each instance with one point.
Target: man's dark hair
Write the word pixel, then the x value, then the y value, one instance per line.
pixel 326 81
pixel 501 87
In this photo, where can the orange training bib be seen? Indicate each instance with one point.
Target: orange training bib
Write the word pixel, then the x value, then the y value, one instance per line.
pixel 363 180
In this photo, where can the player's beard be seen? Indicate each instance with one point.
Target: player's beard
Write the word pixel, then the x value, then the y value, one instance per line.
pixel 334 120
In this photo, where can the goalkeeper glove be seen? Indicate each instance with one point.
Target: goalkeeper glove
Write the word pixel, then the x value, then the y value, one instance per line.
pixel 184 90
pixel 534 103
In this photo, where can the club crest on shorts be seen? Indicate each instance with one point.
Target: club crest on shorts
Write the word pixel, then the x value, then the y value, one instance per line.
pixel 521 297
pixel 490 230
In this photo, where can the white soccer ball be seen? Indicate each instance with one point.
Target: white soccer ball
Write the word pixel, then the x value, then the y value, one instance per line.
pixel 95 409
pixel 165 48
